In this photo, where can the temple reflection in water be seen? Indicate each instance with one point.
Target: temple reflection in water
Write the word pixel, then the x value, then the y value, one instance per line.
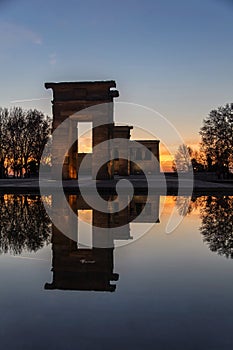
pixel 25 227
pixel 77 267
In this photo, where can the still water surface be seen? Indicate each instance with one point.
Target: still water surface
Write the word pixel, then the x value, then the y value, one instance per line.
pixel 159 292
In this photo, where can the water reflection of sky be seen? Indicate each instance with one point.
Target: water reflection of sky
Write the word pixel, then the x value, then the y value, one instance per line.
pixel 173 292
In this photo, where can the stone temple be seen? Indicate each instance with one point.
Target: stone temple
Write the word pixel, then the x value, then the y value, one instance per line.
pixel 69 99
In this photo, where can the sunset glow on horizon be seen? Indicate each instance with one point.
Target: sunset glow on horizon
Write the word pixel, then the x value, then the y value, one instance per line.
pixel 166 158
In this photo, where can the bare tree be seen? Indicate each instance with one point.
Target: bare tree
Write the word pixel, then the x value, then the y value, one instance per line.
pixel 182 160
pixel 23 137
pixel 4 145
pixel 41 135
pixel 15 134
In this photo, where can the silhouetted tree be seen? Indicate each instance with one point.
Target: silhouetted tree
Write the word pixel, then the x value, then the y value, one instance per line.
pixel 40 127
pixel 24 136
pixel 198 162
pixel 182 160
pixel 16 136
pixel 217 138
pixel 4 145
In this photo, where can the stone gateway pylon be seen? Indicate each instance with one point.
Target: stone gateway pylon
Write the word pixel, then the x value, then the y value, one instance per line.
pixel 72 97
pixel 74 103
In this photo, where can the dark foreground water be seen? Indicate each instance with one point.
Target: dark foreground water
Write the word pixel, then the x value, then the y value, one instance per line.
pixel 162 291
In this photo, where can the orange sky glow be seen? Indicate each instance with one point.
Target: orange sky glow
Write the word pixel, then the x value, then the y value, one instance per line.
pixel 166 158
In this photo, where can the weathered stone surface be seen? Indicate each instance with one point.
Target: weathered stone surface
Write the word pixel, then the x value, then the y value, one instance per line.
pixel 72 97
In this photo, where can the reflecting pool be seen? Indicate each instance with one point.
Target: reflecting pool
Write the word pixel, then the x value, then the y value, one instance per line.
pixel 140 291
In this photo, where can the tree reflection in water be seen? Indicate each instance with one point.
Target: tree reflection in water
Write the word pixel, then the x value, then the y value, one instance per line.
pixel 184 205
pixel 217 224
pixel 24 224
pixel 216 213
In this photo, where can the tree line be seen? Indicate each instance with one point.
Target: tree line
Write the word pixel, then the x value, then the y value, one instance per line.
pixel 216 147
pixel 23 135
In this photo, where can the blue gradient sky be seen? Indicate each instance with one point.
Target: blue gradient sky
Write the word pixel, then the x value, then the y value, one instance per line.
pixel 173 56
